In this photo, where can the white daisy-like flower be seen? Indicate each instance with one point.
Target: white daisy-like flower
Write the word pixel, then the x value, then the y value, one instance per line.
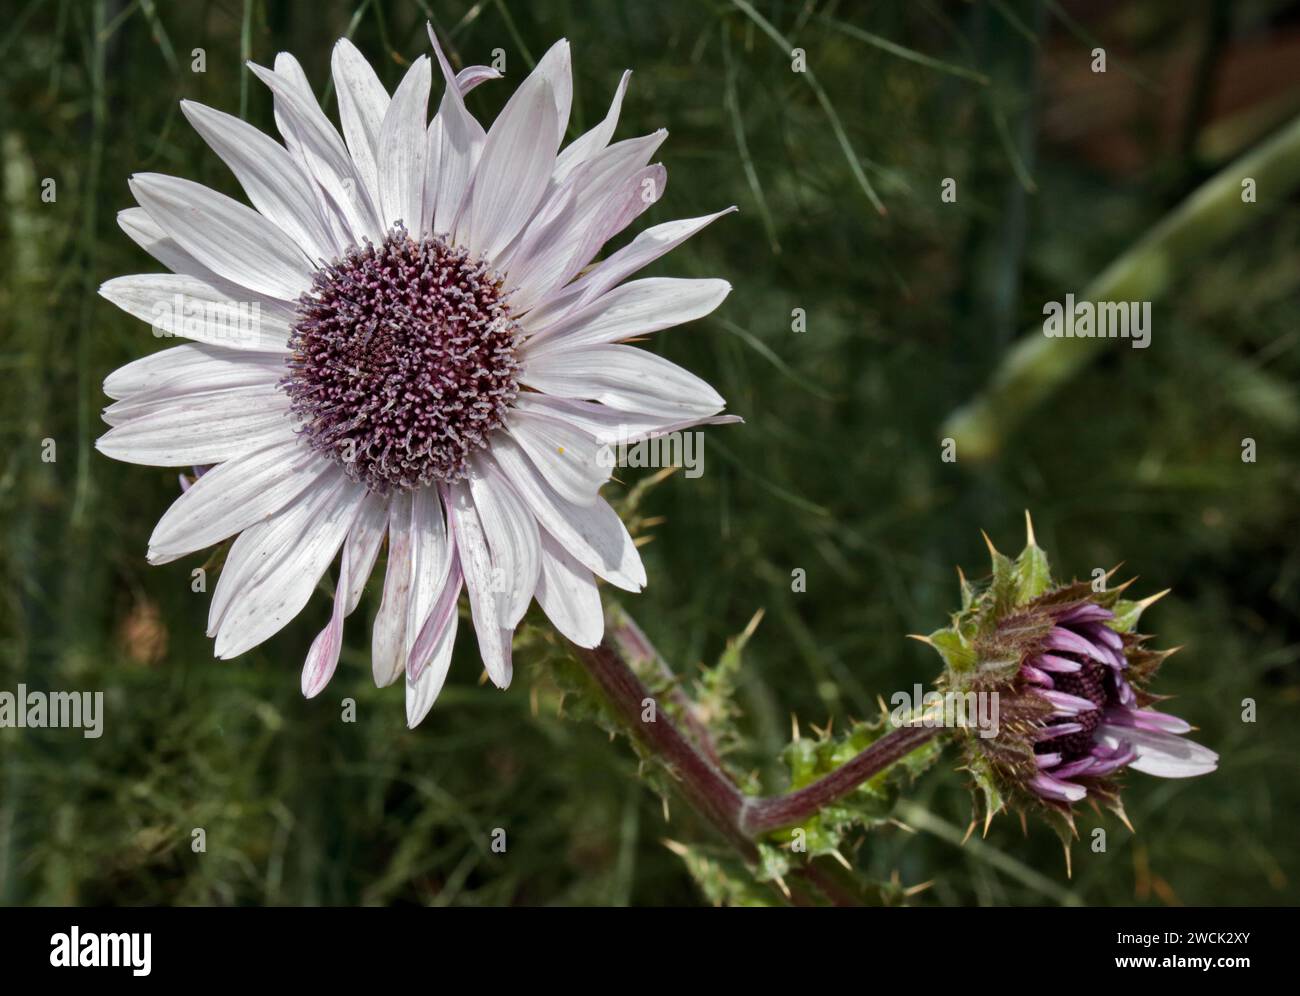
pixel 431 358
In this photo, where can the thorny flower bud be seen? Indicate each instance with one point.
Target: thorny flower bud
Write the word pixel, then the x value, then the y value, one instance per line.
pixel 1071 679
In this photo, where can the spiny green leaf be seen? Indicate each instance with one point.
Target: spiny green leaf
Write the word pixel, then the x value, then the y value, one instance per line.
pixel 967 592
pixel 722 878
pixel 715 691
pixel 869 805
pixel 953 647
pixel 1127 612
pixel 1033 573
pixel 1004 590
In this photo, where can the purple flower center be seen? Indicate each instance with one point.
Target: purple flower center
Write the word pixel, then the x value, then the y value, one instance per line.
pixel 1092 682
pixel 403 361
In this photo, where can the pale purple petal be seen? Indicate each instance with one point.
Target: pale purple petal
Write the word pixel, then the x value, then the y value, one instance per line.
pixel 594 536
pixel 1064 639
pixel 1056 730
pixel 1127 697
pixel 567 457
pixel 364 541
pixel 513 544
pixel 542 267
pixel 609 425
pixel 433 647
pixel 641 251
pixel 273 180
pixel 323 657
pixel 389 644
pixel 207 430
pixel 1103 635
pixel 1067 704
pixel 1036 677
pixel 633 309
pixel 471 76
pixel 1052 788
pixel 310 134
pixel 191 368
pixel 592 142
pixel 1086 612
pixel 557 69
pixel 1165 755
pixel 1147 719
pixel 568 595
pixel 515 168
pixel 476 563
pixel 1074 769
pixel 282 565
pixel 1051 662
pixel 192 308
pixel 403 148
pixel 461 140
pixel 235 495
pixel 232 240
pixel 363 102
pixel 1108 765
pixel 626 378
pixel 430 625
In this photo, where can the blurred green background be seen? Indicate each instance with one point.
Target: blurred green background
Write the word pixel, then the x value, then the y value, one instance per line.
pixel 1137 456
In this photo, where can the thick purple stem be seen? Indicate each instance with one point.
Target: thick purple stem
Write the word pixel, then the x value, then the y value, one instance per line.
pixel 700 775
pixel 705 786
pixel 762 816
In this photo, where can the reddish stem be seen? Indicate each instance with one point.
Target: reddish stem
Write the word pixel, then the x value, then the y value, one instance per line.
pixel 705 786
pixel 700 775
pixel 762 816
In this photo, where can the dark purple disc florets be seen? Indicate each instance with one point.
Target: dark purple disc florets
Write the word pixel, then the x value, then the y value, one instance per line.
pixel 403 361
pixel 1091 683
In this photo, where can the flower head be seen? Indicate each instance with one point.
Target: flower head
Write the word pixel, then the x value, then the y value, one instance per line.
pixel 1071 678
pixel 405 340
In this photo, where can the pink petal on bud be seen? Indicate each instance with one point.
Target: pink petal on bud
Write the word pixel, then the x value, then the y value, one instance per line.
pixel 1104 635
pixel 1035 676
pixel 1082 766
pixel 1121 759
pixel 1147 719
pixel 1085 613
pixel 1165 755
pixel 1066 639
pixel 1050 662
pixel 1052 788
pixel 1067 704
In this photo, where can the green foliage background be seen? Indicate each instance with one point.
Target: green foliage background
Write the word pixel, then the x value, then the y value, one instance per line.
pixel 837 469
